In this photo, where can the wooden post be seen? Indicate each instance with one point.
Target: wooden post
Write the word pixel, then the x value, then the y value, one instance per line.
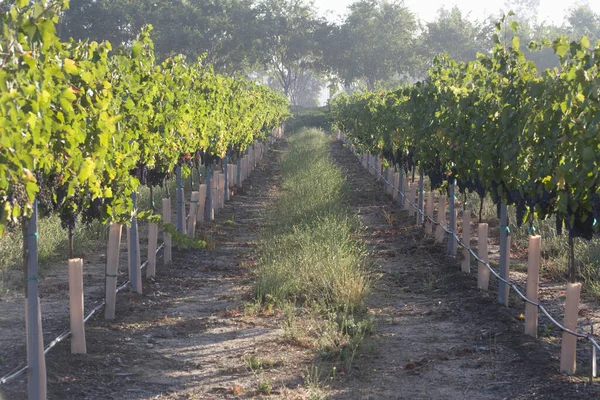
pixel 395 191
pixel 483 274
pixel 36 373
pixel 76 306
pixel 465 263
pixel 214 204
pixel 152 244
pixel 400 188
pixel 430 205
pixel 226 176
pixel 406 191
pixel 420 199
pixel 180 202
pixel 568 351
pixel 166 219
pixel 191 229
pixel 221 190
pixel 452 224
pixel 209 195
pixel 238 179
pixel 533 273
pixel 441 219
pixel 112 268
pixel 386 180
pixel 502 291
pixel 133 252
pixel 506 295
pixel 411 198
pixel 201 203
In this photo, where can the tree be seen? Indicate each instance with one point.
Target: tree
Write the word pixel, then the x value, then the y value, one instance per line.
pixel 375 43
pixel 454 34
pixel 291 37
pixel 582 20
pixel 222 30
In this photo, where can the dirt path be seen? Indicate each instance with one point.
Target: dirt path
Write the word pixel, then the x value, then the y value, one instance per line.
pixel 436 335
pixel 191 337
pixel 186 336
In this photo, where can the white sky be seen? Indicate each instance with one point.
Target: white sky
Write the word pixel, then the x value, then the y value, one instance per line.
pixel 552 11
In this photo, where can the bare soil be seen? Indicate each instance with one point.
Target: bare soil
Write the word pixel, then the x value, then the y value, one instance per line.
pixel 188 337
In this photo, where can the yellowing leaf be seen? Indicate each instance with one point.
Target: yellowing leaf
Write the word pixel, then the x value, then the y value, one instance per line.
pixel 70 66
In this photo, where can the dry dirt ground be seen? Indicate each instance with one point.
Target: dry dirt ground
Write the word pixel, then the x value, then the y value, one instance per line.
pixel 189 337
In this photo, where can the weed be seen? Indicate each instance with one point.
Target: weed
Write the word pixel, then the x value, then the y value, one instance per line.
pixel 265 386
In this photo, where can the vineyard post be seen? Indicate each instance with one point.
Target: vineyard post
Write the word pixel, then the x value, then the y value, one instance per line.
pixel 421 199
pixel 503 288
pixel 214 204
pixel 112 268
pixel 568 350
pixel 180 203
pixel 413 195
pixel 452 225
pixel 401 188
pixel 76 306
pixel 368 162
pixel 395 188
pixel 533 273
pixel 226 169
pixel 221 189
pixel 238 179
pixel 465 264
pixel 483 274
pixel 209 195
pixel 191 228
pixel 133 251
pixel 36 382
pixel 430 205
pixel 385 181
pixel 441 219
pixel 166 219
pixel 201 203
pixel 152 244
pixel 406 190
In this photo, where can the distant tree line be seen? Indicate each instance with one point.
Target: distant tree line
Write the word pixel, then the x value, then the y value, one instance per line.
pixel 288 45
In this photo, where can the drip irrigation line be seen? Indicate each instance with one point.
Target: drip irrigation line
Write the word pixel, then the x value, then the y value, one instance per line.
pixel 16 372
pixel 100 304
pixel 590 337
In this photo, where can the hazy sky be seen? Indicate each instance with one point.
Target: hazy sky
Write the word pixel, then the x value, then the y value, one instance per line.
pixel 550 10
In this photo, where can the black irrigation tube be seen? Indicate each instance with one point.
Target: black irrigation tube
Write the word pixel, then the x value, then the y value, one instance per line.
pixel 590 337
pixel 23 367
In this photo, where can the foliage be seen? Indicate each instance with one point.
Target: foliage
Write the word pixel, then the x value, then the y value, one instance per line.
pixel 80 127
pixel 498 127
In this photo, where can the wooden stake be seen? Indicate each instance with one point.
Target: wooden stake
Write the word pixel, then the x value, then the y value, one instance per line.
pixel 483 274
pixel 440 233
pixel 214 190
pixel 112 268
pixel 395 191
pixel 221 190
pixel 568 351
pixel 506 289
pixel 76 306
pixel 533 273
pixel 465 263
pixel 166 219
pixel 152 244
pixel 201 203
pixel 430 205
pixel 406 190
pixel 194 200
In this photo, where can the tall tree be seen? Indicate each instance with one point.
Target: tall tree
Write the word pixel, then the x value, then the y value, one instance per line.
pixel 291 41
pixel 375 43
pixel 456 35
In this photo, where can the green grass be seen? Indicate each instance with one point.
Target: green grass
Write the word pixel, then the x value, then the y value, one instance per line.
pixel 310 251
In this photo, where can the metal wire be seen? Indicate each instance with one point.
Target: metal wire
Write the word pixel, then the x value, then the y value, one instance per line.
pixel 100 304
pixel 511 284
